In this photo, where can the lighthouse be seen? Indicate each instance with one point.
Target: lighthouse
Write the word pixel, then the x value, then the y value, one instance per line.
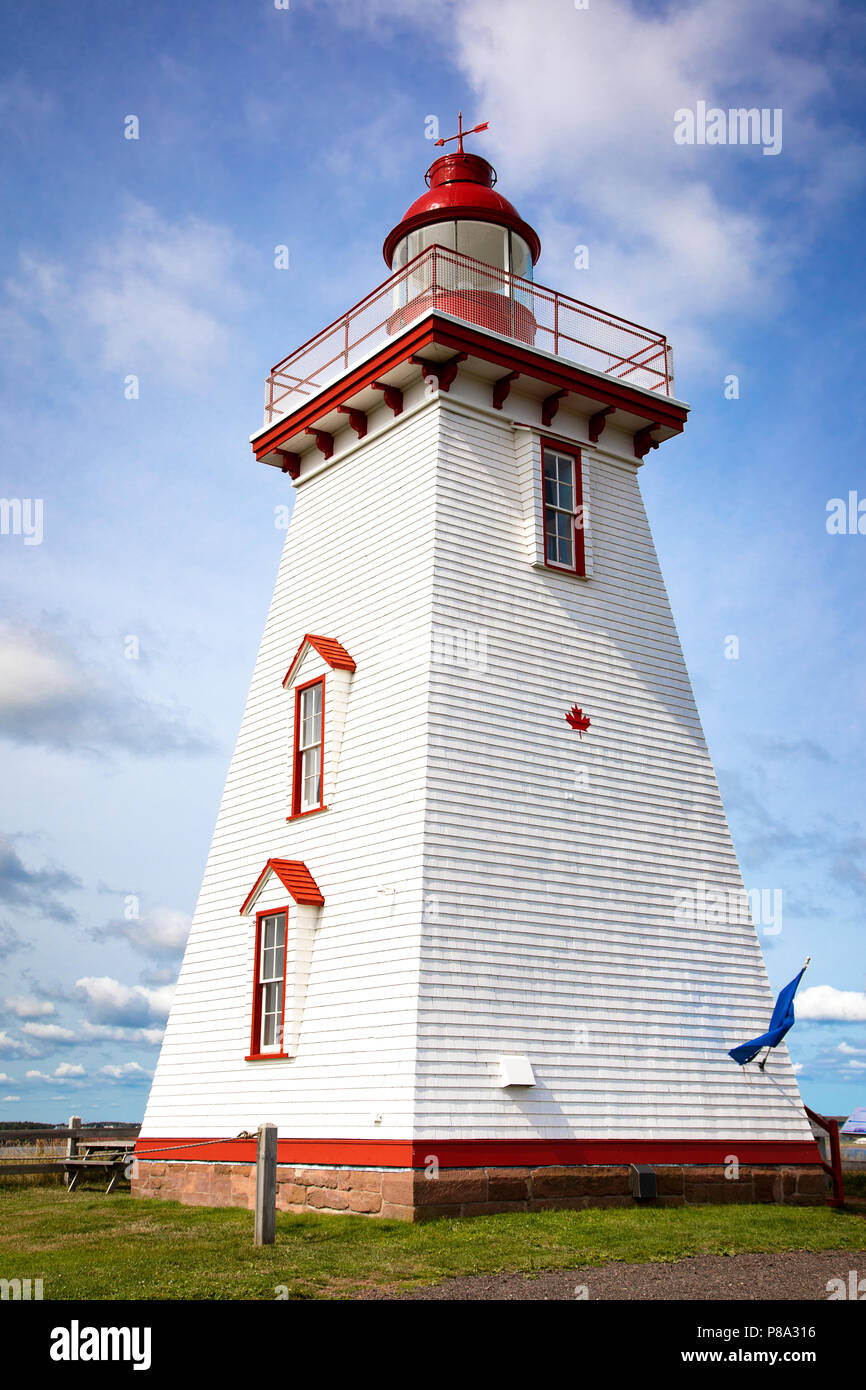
pixel 472 932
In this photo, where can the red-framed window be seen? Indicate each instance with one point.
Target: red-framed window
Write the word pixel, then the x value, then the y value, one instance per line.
pixel 563 507
pixel 269 999
pixel 309 748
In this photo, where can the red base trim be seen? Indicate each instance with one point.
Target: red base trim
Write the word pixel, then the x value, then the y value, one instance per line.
pixel 480 1153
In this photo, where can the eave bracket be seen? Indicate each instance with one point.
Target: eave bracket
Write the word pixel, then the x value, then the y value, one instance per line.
pixel 550 406
pixel 443 372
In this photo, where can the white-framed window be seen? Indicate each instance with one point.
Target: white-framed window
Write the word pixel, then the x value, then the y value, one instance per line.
pixel 309 746
pixel 563 509
pixel 270 981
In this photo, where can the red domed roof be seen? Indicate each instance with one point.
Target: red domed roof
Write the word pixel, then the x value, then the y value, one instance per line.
pixel 460 187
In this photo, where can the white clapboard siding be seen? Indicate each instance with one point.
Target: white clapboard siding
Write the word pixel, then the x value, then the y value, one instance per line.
pixel 357 566
pixel 551 862
pixel 493 884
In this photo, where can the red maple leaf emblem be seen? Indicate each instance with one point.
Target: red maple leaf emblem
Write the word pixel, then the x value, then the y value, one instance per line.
pixel 578 720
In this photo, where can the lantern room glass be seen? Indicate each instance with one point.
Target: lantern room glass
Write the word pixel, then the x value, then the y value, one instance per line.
pixel 483 241
pixel 486 242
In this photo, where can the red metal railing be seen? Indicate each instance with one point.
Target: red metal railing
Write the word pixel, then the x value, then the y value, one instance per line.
pixel 469 289
pixel 833 1169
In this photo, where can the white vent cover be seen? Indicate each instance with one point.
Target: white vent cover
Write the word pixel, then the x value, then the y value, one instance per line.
pixel 515 1071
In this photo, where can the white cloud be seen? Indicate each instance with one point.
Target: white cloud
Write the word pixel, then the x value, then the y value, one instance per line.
pixel 152 300
pixel 6 1080
pixel 126 1071
pixel 50 1032
pixel 162 931
pixel 850 1051
pixel 581 108
pixel 5 1098
pixel 101 1032
pixel 853 1066
pixel 15 1047
pixel 51 694
pixel 110 1002
pixel 825 1004
pixel 25 1006
pixel 32 890
pixel 67 1071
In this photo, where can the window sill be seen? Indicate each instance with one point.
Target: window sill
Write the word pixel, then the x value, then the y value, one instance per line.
pixel 299 815
pixel 268 1057
pixel 557 569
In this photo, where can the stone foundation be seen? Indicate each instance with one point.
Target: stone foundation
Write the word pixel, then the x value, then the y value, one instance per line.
pixel 406 1194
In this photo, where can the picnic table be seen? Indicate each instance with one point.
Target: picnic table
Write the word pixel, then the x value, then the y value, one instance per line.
pixel 101 1150
pixel 111 1156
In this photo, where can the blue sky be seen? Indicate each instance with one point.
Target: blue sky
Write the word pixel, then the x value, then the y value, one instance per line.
pixel 127 637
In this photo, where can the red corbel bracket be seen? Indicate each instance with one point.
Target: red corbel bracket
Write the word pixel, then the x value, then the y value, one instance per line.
pixel 444 372
pixel 324 441
pixel 643 441
pixel 291 463
pixel 393 395
pixel 550 406
pixel 501 389
pixel 597 423
pixel 357 419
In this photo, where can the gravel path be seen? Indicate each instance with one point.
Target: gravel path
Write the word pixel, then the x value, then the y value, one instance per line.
pixel 796 1275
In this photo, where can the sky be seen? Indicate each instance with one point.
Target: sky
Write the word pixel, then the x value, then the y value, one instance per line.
pixel 141 307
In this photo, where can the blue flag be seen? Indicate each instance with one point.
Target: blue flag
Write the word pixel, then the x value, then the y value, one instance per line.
pixel 782 1020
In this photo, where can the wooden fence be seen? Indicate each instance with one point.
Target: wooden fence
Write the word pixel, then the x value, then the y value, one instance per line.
pixel 104 1149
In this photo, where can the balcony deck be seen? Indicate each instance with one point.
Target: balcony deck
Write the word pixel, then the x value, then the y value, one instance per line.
pixel 486 297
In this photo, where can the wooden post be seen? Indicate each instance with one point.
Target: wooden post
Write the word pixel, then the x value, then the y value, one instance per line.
pixel 266 1185
pixel 72 1150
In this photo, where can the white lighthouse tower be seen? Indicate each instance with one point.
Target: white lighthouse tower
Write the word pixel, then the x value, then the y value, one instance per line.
pixel 472 932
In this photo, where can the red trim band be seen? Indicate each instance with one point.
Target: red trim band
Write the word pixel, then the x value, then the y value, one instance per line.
pixel 479 1153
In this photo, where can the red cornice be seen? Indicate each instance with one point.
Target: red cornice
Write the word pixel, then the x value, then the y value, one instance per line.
pixel 476 1153
pixel 513 356
pixel 561 374
pixel 390 356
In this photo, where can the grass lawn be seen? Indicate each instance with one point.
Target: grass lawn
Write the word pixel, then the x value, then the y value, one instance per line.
pixel 85 1245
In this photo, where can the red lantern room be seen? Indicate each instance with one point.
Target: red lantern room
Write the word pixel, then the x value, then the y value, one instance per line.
pixel 483 248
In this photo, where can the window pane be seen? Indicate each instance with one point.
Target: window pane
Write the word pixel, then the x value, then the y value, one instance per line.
pixel 311 716
pixel 521 261
pixel 311 767
pixel 280 947
pixel 560 488
pixel 550 543
pixel 271 1001
pixel 436 233
pixel 271 978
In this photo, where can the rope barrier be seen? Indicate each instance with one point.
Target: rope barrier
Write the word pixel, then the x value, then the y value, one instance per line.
pixel 200 1144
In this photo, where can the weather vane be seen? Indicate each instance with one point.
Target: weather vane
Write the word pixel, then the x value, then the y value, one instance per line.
pixel 461 132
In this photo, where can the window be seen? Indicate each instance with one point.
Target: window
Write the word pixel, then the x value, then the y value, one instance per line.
pixel 270 988
pixel 563 509
pixel 309 741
